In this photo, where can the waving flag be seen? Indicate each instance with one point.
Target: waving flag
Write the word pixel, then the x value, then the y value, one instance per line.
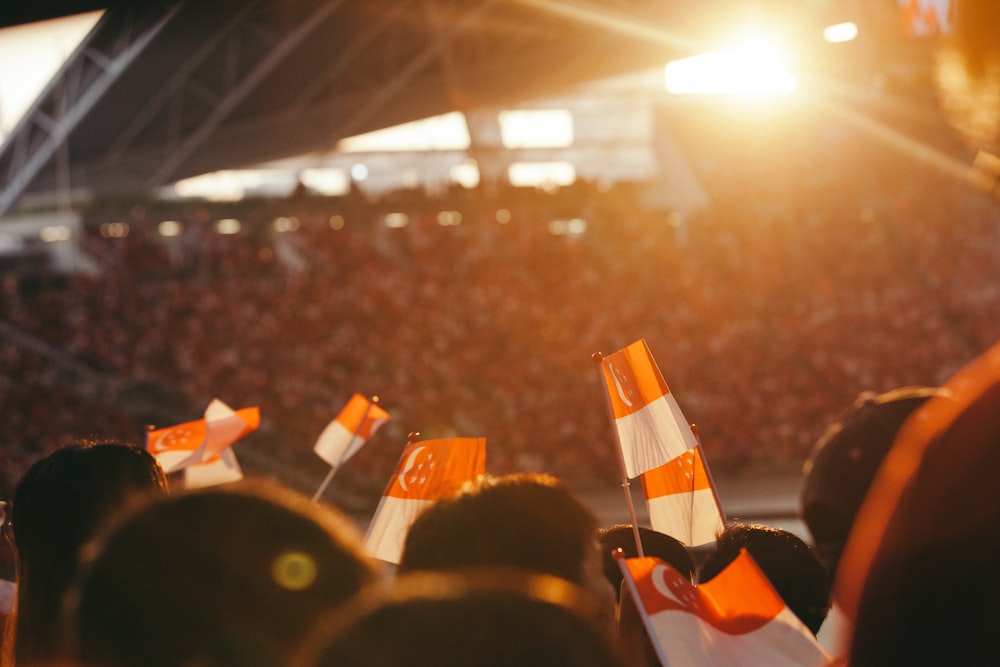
pixel 651 428
pixel 681 500
pixel 219 469
pixel 734 620
pixel 177 447
pixel 344 436
pixel 426 471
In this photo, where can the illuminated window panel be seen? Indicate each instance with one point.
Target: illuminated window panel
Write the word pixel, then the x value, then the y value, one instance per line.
pixel 445 132
pixel 545 175
pixel 536 128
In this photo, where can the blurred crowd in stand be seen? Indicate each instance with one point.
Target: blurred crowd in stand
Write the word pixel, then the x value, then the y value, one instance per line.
pixel 767 313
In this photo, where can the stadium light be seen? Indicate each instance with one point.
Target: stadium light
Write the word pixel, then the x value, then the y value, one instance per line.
pixel 169 228
pixel 752 67
pixel 396 220
pixel 114 230
pixel 228 226
pixel 55 233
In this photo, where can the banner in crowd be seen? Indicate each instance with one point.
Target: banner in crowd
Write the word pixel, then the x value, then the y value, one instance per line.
pixel 736 619
pixel 202 440
pixel 651 428
pixel 427 471
pixel 349 430
pixel 220 469
pixel 681 500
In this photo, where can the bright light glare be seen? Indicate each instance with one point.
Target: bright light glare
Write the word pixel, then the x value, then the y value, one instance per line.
pixel 545 175
pixel 329 182
pixel 536 128
pixel 223 185
pixel 465 174
pixel 445 132
pixel 55 233
pixel 285 224
pixel 749 69
pixel 359 172
pixel 228 226
pixel 396 220
pixel 169 228
pixel 841 32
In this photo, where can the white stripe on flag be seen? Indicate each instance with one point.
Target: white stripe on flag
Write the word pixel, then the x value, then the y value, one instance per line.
pixel 387 531
pixel 674 515
pixel 652 436
pixel 779 643
pixel 336 443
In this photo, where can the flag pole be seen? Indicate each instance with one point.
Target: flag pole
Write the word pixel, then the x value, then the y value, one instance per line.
pixel 708 473
pixel 333 468
pixel 599 358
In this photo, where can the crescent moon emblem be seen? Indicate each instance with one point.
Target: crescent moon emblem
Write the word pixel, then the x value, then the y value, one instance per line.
pixel 618 386
pixel 408 466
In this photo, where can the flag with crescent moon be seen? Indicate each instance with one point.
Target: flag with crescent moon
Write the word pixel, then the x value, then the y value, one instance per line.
pixel 202 440
pixel 736 619
pixel 651 428
pixel 427 471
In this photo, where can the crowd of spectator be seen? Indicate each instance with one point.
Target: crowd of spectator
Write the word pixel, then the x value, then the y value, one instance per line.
pixel 846 267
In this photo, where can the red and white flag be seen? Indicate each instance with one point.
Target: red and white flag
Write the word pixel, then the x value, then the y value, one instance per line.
pixel 681 500
pixel 220 469
pixel 349 430
pixel 182 445
pixel 734 620
pixel 426 471
pixel 651 428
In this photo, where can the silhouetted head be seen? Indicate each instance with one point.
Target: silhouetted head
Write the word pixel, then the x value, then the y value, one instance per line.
pixel 228 576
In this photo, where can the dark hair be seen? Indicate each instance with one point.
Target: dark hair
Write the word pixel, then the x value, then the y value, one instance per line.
pixel 473 618
pixel 654 543
pixel 524 520
pixel 59 503
pixel 844 460
pixel 790 564
pixel 231 575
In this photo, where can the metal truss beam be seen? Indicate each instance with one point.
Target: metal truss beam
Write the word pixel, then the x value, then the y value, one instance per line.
pixel 70 95
pixel 246 69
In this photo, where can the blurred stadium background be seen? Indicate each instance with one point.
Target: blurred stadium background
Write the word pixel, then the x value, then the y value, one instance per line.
pixel 453 204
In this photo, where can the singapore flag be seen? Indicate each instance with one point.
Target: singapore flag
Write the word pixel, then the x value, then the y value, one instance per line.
pixel 427 471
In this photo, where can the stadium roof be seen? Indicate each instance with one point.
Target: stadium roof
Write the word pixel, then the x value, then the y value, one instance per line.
pixel 161 91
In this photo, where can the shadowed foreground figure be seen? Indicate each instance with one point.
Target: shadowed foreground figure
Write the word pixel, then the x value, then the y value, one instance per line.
pixel 919 576
pixel 230 576
pixel 60 501
pixel 475 618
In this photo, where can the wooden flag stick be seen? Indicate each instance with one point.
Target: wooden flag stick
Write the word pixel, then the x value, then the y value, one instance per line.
pixel 708 473
pixel 333 468
pixel 599 358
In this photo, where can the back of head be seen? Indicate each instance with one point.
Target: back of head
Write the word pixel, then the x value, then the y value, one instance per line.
pixel 60 502
pixel 226 576
pixel 844 461
pixel 528 521
pixel 919 575
pixel 484 618
pixel 654 543
pixel 790 564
